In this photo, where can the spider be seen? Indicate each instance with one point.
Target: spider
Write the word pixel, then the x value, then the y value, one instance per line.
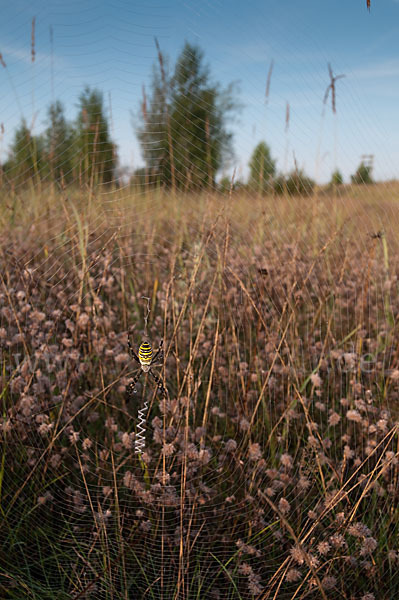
pixel 146 360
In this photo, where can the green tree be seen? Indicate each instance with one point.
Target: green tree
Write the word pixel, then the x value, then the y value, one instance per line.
pixel 227 185
pixel 183 135
pixel 295 184
pixel 26 161
pixel 363 174
pixel 142 179
pixel 95 159
pixel 336 178
pixel 58 141
pixel 262 168
pixel 153 132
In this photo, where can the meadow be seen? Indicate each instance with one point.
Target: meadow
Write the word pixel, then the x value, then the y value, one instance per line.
pixel 271 468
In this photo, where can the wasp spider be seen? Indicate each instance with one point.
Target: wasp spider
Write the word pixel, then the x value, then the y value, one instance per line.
pixel 146 360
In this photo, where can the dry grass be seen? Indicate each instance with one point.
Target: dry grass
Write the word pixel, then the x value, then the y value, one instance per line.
pixel 271 471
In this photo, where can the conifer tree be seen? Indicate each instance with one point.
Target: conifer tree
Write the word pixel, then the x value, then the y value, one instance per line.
pixel 95 156
pixel 26 159
pixel 362 175
pixel 184 136
pixel 261 168
pixel 58 142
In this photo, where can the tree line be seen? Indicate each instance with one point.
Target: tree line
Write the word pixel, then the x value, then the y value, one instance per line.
pixel 182 128
pixel 66 152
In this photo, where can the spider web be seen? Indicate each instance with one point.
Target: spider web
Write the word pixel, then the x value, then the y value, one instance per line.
pixel 278 316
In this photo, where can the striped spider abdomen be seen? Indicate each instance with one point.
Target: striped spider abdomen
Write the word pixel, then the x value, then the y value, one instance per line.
pixel 145 355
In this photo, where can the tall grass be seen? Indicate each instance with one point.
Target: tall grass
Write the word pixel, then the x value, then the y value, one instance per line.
pixel 271 470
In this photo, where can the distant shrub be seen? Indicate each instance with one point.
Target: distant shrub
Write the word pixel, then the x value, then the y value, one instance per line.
pixel 225 185
pixel 362 175
pixel 336 178
pixel 144 178
pixel 262 169
pixel 295 184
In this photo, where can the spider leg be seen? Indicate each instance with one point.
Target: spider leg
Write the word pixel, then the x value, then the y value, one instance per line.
pixel 132 352
pixel 159 383
pixel 159 353
pixel 132 385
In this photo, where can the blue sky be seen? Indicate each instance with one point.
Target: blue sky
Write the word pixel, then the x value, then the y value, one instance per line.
pixel 110 45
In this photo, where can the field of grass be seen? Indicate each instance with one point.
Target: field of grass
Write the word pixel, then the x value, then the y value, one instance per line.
pixel 271 469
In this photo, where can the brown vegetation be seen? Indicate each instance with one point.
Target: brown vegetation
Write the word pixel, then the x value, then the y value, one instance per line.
pixel 271 470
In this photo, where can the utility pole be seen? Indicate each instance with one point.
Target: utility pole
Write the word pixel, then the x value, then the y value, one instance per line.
pixel 368 160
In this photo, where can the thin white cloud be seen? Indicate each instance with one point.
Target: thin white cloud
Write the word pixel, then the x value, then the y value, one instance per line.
pixel 24 54
pixel 386 68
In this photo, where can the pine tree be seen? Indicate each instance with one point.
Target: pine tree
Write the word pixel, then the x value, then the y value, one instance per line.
pixel 95 157
pixel 336 178
pixel 183 136
pixel 59 144
pixel 26 160
pixel 261 168
pixel 362 175
pixel 154 133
